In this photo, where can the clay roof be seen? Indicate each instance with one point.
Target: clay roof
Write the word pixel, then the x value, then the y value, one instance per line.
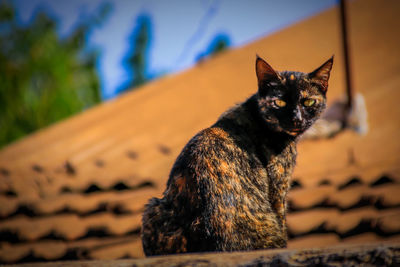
pixel 76 189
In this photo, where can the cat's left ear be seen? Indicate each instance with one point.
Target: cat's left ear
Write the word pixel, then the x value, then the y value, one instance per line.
pixel 321 74
pixel 265 73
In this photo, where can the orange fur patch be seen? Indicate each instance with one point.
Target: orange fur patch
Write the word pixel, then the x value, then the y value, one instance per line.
pixel 304 94
pixel 280 169
pixel 219 132
pixel 180 183
pixel 224 167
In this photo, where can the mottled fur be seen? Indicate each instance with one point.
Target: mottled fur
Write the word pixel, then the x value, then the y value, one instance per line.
pixel 227 189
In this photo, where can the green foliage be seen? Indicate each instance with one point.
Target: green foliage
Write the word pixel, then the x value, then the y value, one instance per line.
pixel 219 44
pixel 43 78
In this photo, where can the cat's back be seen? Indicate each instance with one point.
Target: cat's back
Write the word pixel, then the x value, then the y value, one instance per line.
pixel 221 151
pixel 171 223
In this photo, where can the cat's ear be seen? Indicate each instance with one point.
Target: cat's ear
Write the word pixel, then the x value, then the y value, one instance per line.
pixel 265 72
pixel 321 74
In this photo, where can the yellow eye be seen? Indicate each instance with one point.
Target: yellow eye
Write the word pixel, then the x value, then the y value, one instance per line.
pixel 280 103
pixel 309 102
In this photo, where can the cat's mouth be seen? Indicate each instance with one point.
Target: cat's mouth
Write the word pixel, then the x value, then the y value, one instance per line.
pixel 294 132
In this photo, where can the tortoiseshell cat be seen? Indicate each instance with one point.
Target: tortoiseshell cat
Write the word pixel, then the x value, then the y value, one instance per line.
pixel 227 189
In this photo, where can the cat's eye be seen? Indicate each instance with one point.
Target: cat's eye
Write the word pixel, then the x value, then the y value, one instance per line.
pixel 309 102
pixel 280 103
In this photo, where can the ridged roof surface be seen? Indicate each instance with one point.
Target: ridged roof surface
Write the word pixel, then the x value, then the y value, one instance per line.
pixel 76 190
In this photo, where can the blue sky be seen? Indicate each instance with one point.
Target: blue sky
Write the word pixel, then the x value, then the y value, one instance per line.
pixel 181 30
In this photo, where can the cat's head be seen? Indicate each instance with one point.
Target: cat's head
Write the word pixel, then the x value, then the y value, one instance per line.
pixel 290 102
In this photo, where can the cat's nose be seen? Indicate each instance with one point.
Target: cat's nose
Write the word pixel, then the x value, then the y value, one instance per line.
pixel 297 124
pixel 297 117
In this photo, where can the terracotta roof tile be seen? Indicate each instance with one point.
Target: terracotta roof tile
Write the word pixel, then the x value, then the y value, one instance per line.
pixel 132 249
pixel 390 223
pixel 352 196
pixel 10 253
pixel 104 248
pixel 388 194
pixel 349 220
pixel 33 229
pixel 50 250
pixel 367 174
pixel 82 204
pixel 311 241
pixel 370 238
pixel 310 196
pixel 60 225
pixel 307 221
pixel 8 205
pixel 343 223
pixel 321 240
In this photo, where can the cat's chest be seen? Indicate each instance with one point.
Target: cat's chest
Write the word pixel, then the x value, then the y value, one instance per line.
pixel 273 173
pixel 279 166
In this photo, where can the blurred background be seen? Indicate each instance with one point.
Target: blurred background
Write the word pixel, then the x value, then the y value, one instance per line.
pixel 58 58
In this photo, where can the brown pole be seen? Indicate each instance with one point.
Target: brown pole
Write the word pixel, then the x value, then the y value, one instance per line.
pixel 347 63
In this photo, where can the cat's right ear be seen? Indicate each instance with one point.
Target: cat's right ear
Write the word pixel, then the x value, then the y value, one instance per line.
pixel 265 73
pixel 321 74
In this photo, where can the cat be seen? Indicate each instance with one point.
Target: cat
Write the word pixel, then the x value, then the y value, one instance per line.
pixel 227 189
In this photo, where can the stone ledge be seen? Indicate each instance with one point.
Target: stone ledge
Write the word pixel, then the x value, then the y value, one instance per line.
pixel 378 254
